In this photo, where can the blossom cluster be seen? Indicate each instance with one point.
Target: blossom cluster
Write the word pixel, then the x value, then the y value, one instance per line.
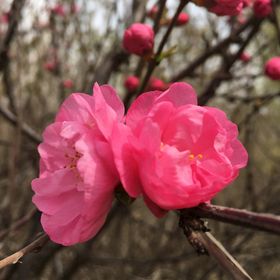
pixel 166 149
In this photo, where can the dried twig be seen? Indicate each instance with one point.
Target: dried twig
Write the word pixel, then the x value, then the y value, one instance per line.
pixel 35 246
pixel 205 243
pixel 27 130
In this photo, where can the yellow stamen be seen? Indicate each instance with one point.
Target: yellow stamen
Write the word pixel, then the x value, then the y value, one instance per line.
pixel 200 156
pixel 191 156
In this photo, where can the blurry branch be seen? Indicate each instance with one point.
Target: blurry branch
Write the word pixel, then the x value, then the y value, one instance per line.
pixel 248 99
pixel 212 51
pixel 35 246
pixel 154 62
pixel 14 17
pixel 18 224
pixel 161 7
pixel 205 243
pixel 28 131
pixel 260 221
pixel 142 62
pixel 225 68
pixel 276 21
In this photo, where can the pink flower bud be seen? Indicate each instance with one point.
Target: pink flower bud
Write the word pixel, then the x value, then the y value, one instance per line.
pixel 245 57
pixel 272 68
pixel 68 83
pixel 157 84
pixel 131 83
pixel 153 12
pixel 139 39
pixel 262 8
pixel 182 19
pixel 50 66
pixel 5 18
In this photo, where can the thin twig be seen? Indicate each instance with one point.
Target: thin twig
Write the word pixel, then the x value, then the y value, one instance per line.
pixel 153 63
pixel 35 246
pixel 206 244
pixel 27 130
pixel 18 224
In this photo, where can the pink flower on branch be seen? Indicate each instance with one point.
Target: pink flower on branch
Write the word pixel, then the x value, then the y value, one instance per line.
pixel 139 39
pixel 156 84
pixel 77 176
pixel 68 83
pixel 59 10
pixel 174 153
pixel 131 83
pixel 245 57
pixel 182 19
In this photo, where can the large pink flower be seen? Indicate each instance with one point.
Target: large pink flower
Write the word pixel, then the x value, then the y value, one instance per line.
pixel 175 153
pixel 77 176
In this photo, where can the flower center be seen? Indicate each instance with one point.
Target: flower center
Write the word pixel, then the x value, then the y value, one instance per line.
pixel 192 156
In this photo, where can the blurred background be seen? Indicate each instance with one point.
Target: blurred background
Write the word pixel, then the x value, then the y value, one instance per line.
pixel 49 49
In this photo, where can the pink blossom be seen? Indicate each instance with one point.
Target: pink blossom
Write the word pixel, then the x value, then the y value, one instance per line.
pixel 139 39
pixel 153 12
pixel 262 8
pixel 131 83
pixel 174 153
pixel 272 68
pixel 68 83
pixel 74 8
pixel 222 7
pixel 245 57
pixel 247 3
pixel 157 84
pixel 4 18
pixel 182 19
pixel 50 66
pixel 59 10
pixel 77 178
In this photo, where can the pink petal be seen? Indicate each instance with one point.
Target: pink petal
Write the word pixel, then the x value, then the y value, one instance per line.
pixel 113 100
pixel 179 94
pixel 124 159
pixel 105 115
pixel 77 107
pixel 156 210
pixel 140 108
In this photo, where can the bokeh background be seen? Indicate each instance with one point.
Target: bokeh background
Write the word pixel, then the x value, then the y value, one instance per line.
pixel 48 55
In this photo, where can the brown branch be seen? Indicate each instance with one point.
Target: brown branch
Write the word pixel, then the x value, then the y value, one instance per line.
pixel 153 63
pixel 212 51
pixel 222 74
pixel 36 245
pixel 18 224
pixel 27 130
pixel 260 221
pixel 14 17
